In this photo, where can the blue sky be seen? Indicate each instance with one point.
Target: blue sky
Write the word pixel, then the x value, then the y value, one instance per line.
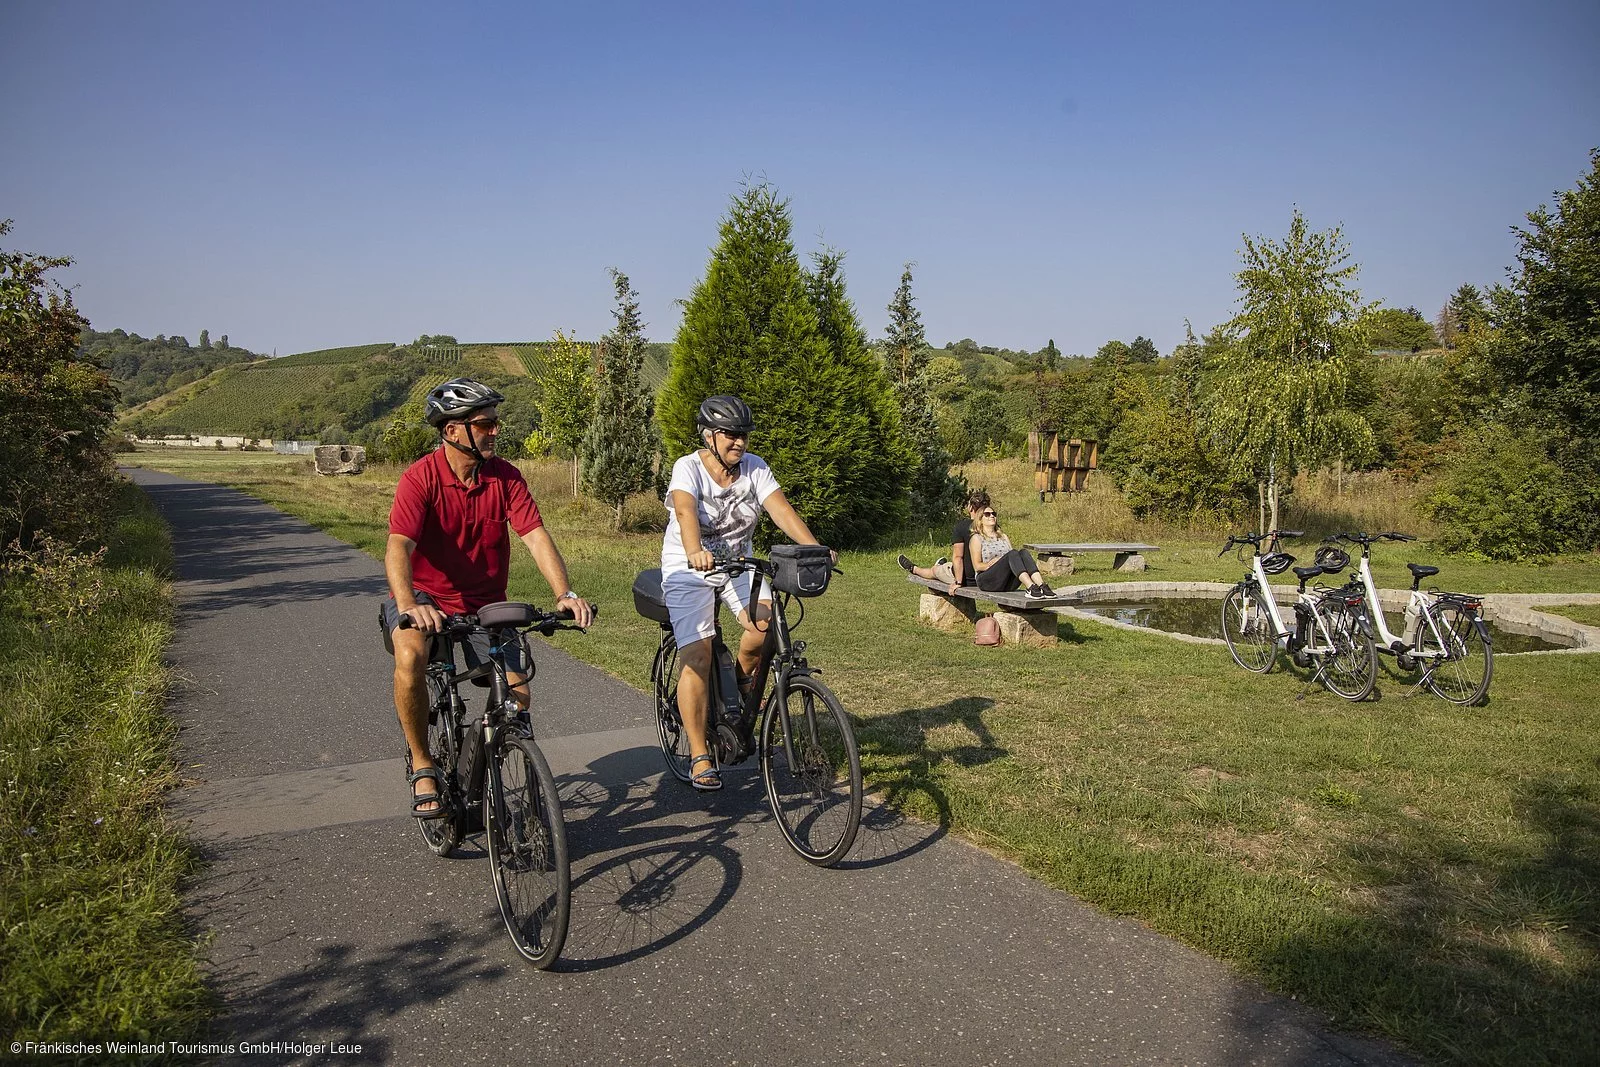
pixel 305 175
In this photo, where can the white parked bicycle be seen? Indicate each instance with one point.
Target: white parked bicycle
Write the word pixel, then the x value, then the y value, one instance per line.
pixel 1444 634
pixel 1328 633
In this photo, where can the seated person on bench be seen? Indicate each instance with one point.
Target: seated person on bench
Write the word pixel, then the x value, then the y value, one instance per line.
pixel 1000 567
pixel 954 571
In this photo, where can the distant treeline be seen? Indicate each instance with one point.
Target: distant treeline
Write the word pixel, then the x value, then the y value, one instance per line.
pixel 147 367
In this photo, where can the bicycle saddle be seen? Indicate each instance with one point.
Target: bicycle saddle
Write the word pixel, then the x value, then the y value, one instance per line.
pixel 1419 571
pixel 1305 574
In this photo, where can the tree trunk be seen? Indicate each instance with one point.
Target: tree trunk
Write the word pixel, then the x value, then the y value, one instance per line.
pixel 1272 495
pixel 1261 507
pixel 616 521
pixel 574 475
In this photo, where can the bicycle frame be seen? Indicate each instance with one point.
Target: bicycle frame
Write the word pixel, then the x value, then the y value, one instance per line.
pixel 1263 591
pixel 1417 614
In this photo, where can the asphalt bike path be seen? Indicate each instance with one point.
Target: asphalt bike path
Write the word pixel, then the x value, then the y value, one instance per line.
pixel 697 936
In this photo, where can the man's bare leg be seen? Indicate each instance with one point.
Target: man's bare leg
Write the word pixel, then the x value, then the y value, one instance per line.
pixel 411 704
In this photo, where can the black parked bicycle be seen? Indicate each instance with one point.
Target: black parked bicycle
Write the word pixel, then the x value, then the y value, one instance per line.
pixel 495 778
pixel 800 734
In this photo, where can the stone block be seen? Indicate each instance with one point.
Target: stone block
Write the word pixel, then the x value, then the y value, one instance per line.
pixel 1032 629
pixel 340 459
pixel 1129 563
pixel 1056 566
pixel 951 614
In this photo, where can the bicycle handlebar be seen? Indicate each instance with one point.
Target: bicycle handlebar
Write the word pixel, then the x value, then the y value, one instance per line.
pixel 1256 539
pixel 736 565
pixel 547 623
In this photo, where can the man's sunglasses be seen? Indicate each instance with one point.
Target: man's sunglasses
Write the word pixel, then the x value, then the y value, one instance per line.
pixel 484 424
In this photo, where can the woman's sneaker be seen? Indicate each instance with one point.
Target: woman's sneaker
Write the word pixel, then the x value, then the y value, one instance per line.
pixel 1037 592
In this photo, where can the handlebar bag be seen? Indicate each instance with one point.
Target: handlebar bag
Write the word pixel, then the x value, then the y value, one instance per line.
pixel 801 570
pixel 506 613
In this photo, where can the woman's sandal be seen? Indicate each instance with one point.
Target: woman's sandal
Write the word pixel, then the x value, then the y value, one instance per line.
pixel 436 798
pixel 708 780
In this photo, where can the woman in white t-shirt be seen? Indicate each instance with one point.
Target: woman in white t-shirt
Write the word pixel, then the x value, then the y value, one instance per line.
pixel 714 500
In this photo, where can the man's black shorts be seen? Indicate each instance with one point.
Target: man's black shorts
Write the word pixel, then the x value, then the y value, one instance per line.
pixel 475 649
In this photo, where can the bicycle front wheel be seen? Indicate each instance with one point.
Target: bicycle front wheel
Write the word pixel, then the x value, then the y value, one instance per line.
pixel 815 792
pixel 1351 671
pixel 528 849
pixel 1463 664
pixel 1247 627
pixel 669 724
pixel 443 834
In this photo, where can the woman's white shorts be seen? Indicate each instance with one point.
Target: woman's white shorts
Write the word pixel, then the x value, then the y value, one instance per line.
pixel 692 602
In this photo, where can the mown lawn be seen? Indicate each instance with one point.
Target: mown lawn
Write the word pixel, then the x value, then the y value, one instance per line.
pixel 1418 870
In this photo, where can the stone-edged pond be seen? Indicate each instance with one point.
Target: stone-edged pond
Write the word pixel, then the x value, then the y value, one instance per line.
pixel 1193 610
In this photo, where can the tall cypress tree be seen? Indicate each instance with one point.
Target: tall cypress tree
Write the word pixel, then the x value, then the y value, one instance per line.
pixel 883 460
pixel 935 494
pixel 751 328
pixel 620 447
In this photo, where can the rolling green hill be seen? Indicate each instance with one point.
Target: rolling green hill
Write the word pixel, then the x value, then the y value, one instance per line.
pixel 353 390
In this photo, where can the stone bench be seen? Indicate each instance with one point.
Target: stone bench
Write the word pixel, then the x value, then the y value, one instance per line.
pixel 1022 621
pixel 1055 560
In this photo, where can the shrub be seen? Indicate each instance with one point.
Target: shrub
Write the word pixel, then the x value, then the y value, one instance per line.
pixel 1500 498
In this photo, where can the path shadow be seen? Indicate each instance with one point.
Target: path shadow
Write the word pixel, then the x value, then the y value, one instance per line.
pixel 1485 949
pixel 652 861
pixel 910 811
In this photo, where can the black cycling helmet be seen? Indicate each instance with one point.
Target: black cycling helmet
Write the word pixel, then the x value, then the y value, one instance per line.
pixel 726 413
pixel 1332 559
pixel 456 399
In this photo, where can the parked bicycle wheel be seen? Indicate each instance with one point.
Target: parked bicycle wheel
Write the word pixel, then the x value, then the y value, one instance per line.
pixel 1247 627
pixel 528 850
pixel 816 797
pixel 441 835
pixel 1462 675
pixel 669 726
pixel 1352 670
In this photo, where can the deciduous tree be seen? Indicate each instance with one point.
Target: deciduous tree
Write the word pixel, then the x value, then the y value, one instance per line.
pixel 1277 399
pixel 54 471
pixel 566 396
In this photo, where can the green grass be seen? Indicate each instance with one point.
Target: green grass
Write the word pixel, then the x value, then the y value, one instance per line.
pixel 94 945
pixel 1588 614
pixel 1418 870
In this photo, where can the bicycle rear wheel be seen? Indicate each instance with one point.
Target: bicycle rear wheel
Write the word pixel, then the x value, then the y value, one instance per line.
pixel 441 835
pixel 669 725
pixel 528 849
pixel 1351 671
pixel 816 798
pixel 1461 675
pixel 1247 627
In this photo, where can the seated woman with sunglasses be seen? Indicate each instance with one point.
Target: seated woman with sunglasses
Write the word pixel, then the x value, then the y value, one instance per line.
pixel 714 500
pixel 1000 567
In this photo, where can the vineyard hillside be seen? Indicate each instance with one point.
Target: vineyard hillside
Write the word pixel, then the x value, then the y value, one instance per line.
pixel 349 392
pixel 329 356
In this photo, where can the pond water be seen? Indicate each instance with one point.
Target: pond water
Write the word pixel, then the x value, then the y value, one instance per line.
pixel 1202 617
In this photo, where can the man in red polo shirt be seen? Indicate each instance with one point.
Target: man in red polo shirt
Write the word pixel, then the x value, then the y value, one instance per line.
pixel 449 553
